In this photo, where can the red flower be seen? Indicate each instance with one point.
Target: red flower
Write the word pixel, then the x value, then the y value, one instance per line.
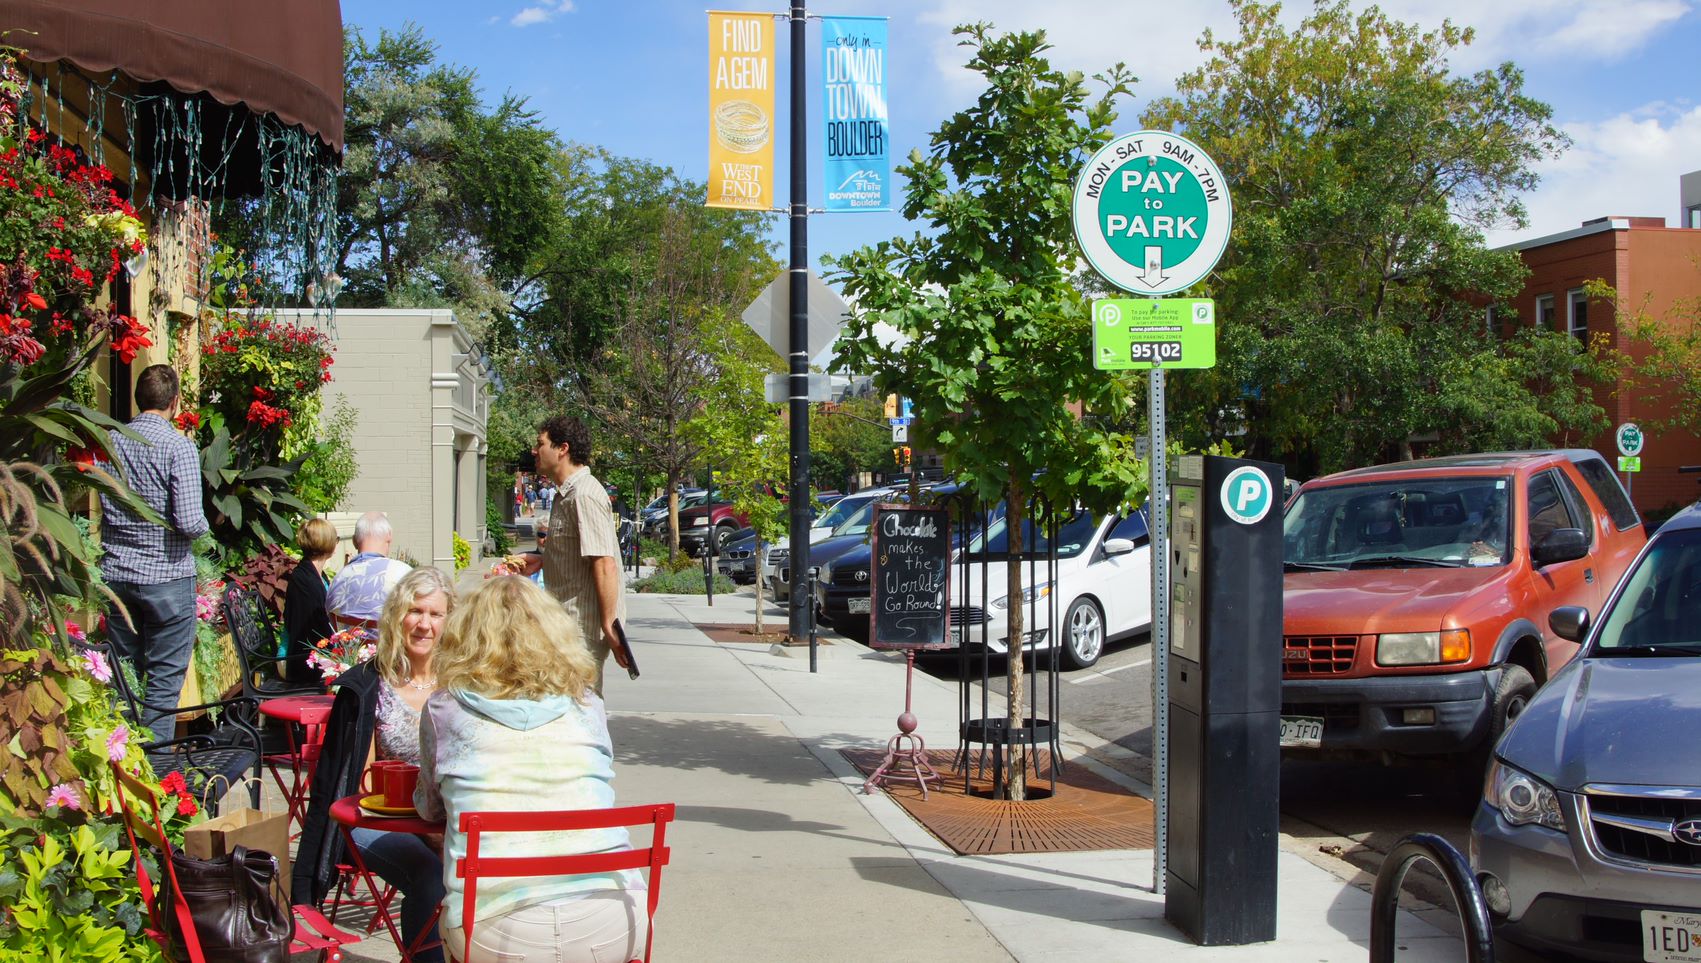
pixel 261 394
pixel 173 783
pixel 186 806
pixel 82 458
pixel 188 421
pixel 135 339
pixel 36 301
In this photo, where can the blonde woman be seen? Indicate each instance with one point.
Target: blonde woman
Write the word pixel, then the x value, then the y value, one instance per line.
pixel 517 726
pixel 305 619
pixel 409 627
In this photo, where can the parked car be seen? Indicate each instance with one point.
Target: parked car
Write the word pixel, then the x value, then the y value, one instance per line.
pixel 1416 596
pixel 655 519
pixel 717 520
pixel 776 567
pixel 1587 842
pixel 737 559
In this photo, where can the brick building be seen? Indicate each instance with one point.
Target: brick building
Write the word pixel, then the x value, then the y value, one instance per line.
pixel 1652 267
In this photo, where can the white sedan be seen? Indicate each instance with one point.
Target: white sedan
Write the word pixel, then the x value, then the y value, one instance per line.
pixel 1101 591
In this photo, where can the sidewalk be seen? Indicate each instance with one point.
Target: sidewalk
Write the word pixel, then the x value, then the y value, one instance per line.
pixel 779 856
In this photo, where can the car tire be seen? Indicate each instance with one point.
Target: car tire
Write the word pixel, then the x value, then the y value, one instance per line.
pixel 1083 634
pixel 723 535
pixel 1511 695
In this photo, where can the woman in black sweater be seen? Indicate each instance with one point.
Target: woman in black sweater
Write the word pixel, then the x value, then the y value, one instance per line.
pixel 305 618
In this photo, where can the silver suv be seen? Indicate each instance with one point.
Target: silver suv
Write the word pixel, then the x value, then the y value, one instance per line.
pixel 1588 839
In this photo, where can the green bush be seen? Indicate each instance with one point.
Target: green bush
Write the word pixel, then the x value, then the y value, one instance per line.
pixel 500 543
pixel 683 582
pixel 331 468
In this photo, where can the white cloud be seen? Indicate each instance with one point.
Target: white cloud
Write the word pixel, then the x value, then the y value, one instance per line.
pixel 1598 30
pixel 1627 165
pixel 541 14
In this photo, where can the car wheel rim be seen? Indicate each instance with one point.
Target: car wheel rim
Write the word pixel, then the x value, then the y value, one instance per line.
pixel 1085 635
pixel 1515 708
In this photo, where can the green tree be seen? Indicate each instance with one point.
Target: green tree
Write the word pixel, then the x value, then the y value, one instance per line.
pixel 1663 360
pixel 740 434
pixel 996 341
pixel 852 436
pixel 1363 172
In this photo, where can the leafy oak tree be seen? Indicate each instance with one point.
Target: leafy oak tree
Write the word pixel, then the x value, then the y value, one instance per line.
pixel 1363 172
pixel 996 339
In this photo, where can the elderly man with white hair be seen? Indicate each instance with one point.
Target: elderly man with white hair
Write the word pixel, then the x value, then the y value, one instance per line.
pixel 357 593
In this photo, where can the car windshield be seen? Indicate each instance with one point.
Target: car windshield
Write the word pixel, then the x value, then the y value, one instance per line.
pixel 1430 522
pixel 1659 609
pixel 840 510
pixel 1072 537
pixel 862 516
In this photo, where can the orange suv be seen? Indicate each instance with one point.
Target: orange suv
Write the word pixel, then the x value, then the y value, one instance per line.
pixel 1416 595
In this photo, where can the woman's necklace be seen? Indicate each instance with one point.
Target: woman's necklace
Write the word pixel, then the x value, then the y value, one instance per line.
pixel 425 687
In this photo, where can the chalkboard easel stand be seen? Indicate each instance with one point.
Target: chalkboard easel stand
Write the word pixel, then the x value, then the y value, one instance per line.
pixel 906 753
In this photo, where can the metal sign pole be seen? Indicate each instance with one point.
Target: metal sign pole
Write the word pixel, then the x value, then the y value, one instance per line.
pixel 798 627
pixel 1158 524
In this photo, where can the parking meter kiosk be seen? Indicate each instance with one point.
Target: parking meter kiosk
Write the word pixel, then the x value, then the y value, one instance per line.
pixel 1225 698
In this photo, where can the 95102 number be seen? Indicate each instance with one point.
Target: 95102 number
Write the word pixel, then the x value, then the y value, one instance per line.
pixel 1155 352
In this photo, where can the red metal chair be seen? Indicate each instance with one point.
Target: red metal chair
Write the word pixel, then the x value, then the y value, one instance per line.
pixel 301 759
pixel 474 867
pixel 312 930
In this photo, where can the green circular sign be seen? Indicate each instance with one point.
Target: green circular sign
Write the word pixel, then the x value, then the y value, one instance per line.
pixel 1630 439
pixel 1247 495
pixel 1152 212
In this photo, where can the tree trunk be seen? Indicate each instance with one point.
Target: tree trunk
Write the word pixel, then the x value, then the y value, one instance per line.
pixel 672 520
pixel 1016 754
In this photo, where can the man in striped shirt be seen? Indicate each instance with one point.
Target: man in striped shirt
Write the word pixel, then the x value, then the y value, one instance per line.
pixel 580 559
pixel 148 567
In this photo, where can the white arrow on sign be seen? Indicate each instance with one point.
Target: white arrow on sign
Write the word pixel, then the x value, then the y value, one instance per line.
pixel 1154 275
pixel 900 434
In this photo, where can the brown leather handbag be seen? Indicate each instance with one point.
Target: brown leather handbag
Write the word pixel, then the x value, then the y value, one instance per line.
pixel 238 919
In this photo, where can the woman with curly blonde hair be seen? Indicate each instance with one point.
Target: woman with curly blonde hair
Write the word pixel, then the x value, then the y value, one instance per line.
pixel 517 726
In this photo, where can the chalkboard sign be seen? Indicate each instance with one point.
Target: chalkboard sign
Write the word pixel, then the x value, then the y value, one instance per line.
pixel 911 571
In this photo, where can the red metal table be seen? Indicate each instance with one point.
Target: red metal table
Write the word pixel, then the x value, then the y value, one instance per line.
pixel 348 814
pixel 310 712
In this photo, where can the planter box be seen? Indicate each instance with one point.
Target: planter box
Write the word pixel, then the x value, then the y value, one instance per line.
pixel 229 678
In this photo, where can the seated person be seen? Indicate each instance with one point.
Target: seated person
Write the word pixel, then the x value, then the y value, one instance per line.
pixel 1488 538
pixel 516 726
pixel 357 593
pixel 306 620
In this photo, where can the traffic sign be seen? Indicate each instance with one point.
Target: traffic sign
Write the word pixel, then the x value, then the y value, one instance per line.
pixel 1247 495
pixel 1629 463
pixel 1630 440
pixel 900 434
pixel 1167 332
pixel 1152 212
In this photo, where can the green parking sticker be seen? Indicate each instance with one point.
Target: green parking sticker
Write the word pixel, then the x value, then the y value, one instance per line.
pixel 1150 333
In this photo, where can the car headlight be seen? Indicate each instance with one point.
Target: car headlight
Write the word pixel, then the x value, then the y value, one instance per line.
pixel 699 522
pixel 826 572
pixel 1522 798
pixel 1423 648
pixel 1029 594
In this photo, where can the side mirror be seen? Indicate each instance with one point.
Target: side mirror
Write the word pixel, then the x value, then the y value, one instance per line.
pixel 1560 545
pixel 1118 546
pixel 1569 622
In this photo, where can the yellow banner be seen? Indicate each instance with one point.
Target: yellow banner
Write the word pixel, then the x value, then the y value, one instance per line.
pixel 741 110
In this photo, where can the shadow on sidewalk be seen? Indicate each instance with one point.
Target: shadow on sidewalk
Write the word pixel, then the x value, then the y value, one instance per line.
pixel 769 821
pixel 721 745
pixel 1113 904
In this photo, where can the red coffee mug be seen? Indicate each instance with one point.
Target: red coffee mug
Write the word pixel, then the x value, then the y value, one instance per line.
pixel 399 782
pixel 373 779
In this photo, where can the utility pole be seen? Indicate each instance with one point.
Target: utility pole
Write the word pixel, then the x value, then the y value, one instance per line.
pixel 798 628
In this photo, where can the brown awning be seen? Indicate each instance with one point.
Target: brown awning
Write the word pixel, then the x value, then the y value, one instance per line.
pixel 281 57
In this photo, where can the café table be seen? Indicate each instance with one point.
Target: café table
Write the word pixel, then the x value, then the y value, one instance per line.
pixel 346 812
pixel 311 712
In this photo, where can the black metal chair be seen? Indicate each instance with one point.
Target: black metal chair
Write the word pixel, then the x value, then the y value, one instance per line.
pixel 227 749
pixel 255 637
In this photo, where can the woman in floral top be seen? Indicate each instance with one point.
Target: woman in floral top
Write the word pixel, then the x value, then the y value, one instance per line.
pixel 408 629
pixel 516 726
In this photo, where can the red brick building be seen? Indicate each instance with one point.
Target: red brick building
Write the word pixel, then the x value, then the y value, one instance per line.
pixel 1652 267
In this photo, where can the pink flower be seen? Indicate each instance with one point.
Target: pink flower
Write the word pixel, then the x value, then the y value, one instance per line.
pixel 117 743
pixel 96 664
pixel 206 608
pixel 75 631
pixel 64 795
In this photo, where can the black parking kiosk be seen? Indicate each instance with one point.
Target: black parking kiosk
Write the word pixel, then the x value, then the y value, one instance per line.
pixel 1225 695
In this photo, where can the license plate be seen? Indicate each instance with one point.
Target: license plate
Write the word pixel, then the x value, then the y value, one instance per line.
pixel 1302 732
pixel 857 606
pixel 1671 937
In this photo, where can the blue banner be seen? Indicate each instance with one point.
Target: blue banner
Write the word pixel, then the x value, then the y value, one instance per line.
pixel 858 132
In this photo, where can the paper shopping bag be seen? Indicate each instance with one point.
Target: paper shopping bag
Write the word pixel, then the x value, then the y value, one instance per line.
pixel 265 831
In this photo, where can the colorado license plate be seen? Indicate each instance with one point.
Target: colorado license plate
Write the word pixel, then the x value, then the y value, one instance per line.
pixel 857 606
pixel 1671 937
pixel 1302 732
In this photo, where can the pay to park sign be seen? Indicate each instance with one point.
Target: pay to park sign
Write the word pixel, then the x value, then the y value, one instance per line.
pixel 1152 213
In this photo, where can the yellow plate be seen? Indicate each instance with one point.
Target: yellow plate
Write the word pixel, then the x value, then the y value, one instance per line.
pixel 375 804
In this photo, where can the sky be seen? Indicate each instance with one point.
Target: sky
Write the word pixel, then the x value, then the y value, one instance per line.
pixel 1623 78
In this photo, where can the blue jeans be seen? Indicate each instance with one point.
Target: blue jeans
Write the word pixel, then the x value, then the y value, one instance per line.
pixel 404 861
pixel 158 646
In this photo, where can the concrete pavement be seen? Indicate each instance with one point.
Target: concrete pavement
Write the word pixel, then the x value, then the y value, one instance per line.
pixel 777 855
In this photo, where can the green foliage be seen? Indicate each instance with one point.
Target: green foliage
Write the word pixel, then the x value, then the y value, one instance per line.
pixel 1363 170
pixel 688 581
pixel 1664 360
pixel 249 499
pixel 848 437
pixel 500 543
pixel 462 550
pixel 264 376
pixel 330 467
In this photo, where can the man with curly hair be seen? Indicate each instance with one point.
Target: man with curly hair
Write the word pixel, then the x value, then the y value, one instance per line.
pixel 580 560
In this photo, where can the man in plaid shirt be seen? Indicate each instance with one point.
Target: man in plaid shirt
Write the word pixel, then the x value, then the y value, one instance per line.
pixel 151 569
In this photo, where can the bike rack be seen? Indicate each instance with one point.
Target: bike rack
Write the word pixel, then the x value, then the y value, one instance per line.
pixel 1467 896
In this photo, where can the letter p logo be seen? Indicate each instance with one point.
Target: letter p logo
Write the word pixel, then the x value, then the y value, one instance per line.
pixel 1247 495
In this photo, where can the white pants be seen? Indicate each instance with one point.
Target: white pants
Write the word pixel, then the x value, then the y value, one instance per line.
pixel 608 926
